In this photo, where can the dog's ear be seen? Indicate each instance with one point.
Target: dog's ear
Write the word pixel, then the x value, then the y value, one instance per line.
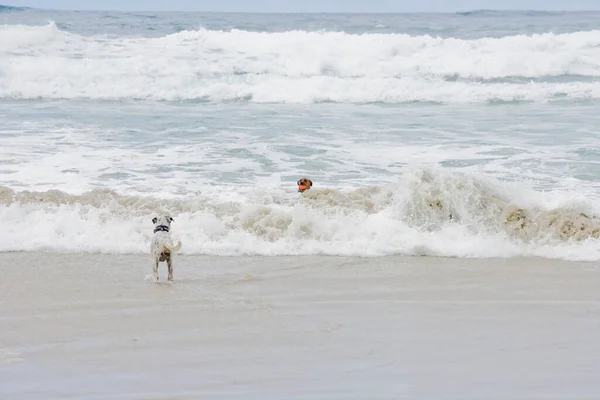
pixel 309 183
pixel 171 219
pixel 154 220
pixel 298 183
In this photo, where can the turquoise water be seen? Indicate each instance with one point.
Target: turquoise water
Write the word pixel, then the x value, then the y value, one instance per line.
pixel 400 120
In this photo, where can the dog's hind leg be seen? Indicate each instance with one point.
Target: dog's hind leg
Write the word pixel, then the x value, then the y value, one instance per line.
pixel 170 266
pixel 155 269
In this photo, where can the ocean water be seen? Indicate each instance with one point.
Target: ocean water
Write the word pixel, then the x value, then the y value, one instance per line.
pixel 455 135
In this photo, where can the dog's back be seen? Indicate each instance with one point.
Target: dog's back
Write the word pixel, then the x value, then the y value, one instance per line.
pixel 162 242
pixel 161 246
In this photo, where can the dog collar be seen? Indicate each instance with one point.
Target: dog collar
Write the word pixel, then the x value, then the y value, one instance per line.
pixel 161 228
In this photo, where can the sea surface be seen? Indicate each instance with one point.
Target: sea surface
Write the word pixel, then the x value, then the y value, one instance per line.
pixel 448 246
pixel 462 135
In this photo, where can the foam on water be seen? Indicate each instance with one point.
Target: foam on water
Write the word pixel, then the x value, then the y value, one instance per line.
pixel 427 212
pixel 413 179
pixel 298 66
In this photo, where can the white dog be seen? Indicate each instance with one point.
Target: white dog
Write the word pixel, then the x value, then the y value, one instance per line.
pixel 162 246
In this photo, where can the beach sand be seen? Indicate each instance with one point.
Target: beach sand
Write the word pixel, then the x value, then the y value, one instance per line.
pixel 95 327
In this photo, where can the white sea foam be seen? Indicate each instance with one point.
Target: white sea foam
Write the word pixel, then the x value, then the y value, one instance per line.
pixel 298 66
pixel 427 212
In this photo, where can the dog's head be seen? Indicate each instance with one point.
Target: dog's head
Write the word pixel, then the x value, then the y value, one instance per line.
pixel 304 184
pixel 162 223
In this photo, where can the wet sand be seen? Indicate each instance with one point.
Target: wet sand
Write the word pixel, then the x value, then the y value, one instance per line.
pixel 95 327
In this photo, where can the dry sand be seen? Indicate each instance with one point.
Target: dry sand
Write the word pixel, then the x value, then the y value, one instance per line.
pixel 94 327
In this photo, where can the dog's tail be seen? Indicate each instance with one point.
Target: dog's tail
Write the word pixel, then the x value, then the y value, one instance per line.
pixel 175 247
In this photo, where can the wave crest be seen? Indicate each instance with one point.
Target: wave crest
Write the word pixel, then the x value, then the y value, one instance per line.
pixel 298 66
pixel 12 8
pixel 425 213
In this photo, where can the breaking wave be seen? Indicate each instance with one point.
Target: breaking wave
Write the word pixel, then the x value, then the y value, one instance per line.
pixel 424 213
pixel 298 66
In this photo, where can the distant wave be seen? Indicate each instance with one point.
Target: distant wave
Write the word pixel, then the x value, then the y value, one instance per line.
pixel 484 12
pixel 477 12
pixel 427 212
pixel 298 67
pixel 11 8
